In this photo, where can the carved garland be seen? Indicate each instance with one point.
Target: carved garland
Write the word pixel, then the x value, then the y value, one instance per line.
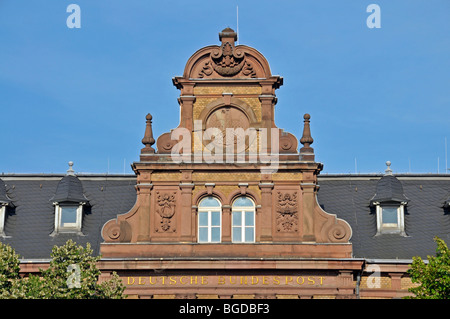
pixel 287 212
pixel 166 209
pixel 227 61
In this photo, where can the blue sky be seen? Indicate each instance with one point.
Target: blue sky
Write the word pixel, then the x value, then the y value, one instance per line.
pixel 82 94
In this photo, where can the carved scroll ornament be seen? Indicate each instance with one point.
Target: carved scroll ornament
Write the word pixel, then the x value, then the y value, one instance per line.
pixel 227 61
pixel 116 231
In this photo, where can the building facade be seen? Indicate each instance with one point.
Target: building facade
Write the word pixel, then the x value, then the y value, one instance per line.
pixel 227 205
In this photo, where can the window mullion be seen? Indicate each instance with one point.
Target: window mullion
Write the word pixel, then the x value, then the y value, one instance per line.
pixel 243 226
pixel 209 226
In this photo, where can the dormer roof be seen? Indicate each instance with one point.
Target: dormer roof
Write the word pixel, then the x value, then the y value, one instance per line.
pixel 389 189
pixel 69 189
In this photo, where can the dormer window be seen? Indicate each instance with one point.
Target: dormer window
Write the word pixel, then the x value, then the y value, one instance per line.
pixel 2 220
pixel 389 201
pixel 68 217
pixel 389 216
pixel 69 201
pixel 5 202
pixel 390 219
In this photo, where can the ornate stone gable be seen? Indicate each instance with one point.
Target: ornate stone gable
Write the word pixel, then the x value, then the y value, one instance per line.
pixel 227 88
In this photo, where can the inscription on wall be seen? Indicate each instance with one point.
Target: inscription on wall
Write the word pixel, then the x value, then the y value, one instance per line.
pixel 221 281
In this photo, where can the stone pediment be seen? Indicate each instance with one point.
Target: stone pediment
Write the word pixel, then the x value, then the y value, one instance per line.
pixel 227 61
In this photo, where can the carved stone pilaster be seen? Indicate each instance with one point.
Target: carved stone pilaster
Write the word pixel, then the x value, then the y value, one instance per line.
pixel 266 211
pixel 186 104
pixel 309 203
pixel 226 223
pixel 144 224
pixel 187 229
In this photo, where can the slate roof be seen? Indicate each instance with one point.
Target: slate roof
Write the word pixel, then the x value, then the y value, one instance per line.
pixel 29 225
pixel 425 216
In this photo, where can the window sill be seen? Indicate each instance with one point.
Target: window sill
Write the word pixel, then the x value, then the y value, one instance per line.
pixel 67 231
pixel 391 232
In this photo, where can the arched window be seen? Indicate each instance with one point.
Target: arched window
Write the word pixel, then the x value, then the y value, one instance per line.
pixel 243 222
pixel 209 220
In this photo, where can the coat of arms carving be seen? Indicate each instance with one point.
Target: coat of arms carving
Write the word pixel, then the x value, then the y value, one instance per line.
pixel 287 212
pixel 166 210
pixel 227 61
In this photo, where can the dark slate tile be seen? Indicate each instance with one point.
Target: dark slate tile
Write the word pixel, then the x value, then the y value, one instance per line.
pixel 348 197
pixel 30 226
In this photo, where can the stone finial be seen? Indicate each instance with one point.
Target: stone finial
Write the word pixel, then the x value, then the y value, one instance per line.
pixel 306 139
pixel 148 139
pixel 228 35
pixel 388 170
pixel 70 171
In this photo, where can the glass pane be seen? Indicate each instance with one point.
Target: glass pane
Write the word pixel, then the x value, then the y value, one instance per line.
pixel 68 215
pixel 215 218
pixel 203 219
pixel 243 202
pixel 237 218
pixel 215 234
pixel 209 202
pixel 249 234
pixel 389 215
pixel 237 234
pixel 203 234
pixel 249 219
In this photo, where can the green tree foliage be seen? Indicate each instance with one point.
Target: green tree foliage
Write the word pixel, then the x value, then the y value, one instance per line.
pixel 9 267
pixel 72 274
pixel 433 277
